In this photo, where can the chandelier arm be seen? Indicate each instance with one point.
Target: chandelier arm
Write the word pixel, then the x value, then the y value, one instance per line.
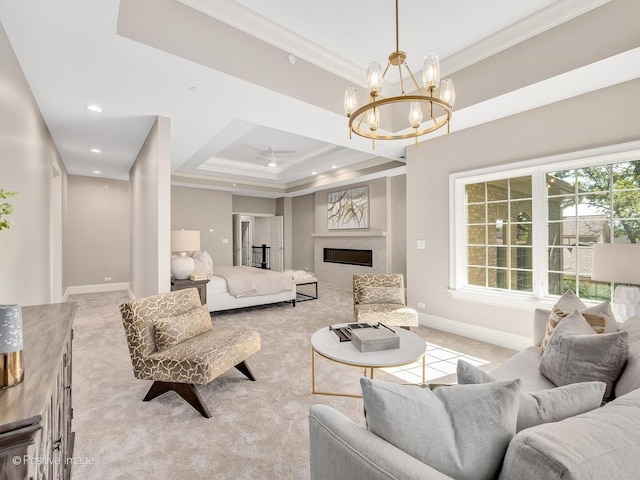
pixel 415 82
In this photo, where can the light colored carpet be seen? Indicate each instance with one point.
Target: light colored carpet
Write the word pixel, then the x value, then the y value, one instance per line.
pixel 258 430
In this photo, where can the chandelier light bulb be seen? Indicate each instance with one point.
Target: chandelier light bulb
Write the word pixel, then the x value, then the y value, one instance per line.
pixel 447 92
pixel 373 119
pixel 374 78
pixel 350 101
pixel 431 71
pixel 415 114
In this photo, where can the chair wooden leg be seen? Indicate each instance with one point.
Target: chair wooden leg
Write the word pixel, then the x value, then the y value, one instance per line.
pixel 187 391
pixel 244 368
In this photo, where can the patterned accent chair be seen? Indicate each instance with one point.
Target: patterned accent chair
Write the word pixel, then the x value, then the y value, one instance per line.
pixel 172 342
pixel 379 297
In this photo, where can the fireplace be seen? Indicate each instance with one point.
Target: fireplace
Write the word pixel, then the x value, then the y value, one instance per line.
pixel 349 256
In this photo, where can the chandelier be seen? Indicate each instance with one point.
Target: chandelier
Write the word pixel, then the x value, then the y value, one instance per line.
pixel 365 121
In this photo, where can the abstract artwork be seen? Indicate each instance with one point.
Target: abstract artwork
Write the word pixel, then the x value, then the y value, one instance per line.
pixel 348 209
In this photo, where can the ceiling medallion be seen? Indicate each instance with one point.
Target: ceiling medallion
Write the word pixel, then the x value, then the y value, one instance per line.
pixel 365 121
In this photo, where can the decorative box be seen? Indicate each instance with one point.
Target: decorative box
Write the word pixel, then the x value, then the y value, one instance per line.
pixel 374 339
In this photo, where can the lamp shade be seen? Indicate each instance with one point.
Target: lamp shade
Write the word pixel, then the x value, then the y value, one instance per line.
pixel 185 240
pixel 10 328
pixel 616 262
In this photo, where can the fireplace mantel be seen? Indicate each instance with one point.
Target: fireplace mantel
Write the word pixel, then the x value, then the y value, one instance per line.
pixel 368 233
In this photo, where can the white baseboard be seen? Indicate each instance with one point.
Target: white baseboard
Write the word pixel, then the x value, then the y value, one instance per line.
pixel 483 334
pixel 101 287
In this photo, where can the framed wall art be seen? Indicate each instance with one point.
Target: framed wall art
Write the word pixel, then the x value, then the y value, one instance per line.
pixel 348 209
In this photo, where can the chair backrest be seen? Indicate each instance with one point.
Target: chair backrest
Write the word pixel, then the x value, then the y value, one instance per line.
pixel 138 315
pixel 363 280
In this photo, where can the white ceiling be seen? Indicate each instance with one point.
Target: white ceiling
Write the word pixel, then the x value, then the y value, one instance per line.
pixel 222 126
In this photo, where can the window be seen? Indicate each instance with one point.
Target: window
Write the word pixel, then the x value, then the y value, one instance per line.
pixel 530 230
pixel 499 234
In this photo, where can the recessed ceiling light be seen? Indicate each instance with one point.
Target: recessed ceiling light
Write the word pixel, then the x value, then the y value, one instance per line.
pixel 96 150
pixel 94 108
pixel 96 172
pixel 314 173
pixel 291 58
pixel 194 90
pixel 272 163
pixel 334 166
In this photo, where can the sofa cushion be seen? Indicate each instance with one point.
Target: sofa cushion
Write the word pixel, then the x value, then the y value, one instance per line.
pixel 394 295
pixel 630 377
pixel 170 331
pixel 575 354
pixel 600 444
pixel 462 430
pixel 546 405
pixel 600 317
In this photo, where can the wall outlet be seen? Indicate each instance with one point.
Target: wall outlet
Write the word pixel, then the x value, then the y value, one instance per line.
pixel 421 305
pixel 421 244
pixel 107 279
pixel 225 240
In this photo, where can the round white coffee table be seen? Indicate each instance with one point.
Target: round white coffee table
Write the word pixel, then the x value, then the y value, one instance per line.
pixel 326 343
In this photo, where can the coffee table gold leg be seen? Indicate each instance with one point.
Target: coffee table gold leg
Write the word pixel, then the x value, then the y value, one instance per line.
pixel 313 371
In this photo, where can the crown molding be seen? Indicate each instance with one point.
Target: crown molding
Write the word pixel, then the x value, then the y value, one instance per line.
pixel 270 32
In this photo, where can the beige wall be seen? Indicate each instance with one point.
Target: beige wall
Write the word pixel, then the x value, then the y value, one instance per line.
pixel 303 225
pixel 397 231
pixel 97 240
pixel 571 125
pixel 249 205
pixel 28 159
pixel 208 211
pixel 150 222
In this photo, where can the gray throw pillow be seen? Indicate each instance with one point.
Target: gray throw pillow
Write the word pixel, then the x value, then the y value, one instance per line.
pixel 575 354
pixel 630 378
pixel 546 405
pixel 462 430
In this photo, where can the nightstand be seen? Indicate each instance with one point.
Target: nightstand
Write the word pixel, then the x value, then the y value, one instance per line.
pixel 201 285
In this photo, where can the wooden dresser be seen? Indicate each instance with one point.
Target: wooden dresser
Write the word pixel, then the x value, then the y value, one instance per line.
pixel 36 441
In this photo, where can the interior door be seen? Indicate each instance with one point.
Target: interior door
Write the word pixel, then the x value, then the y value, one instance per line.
pixel 277 243
pixel 237 240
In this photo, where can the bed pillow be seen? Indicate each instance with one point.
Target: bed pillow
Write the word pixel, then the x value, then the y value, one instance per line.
pixel 204 263
pixel 170 331
pixel 630 378
pixel 393 295
pixel 461 430
pixel 543 406
pixel 600 317
pixel 575 354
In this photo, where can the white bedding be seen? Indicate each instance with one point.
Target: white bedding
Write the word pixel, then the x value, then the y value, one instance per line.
pixel 281 286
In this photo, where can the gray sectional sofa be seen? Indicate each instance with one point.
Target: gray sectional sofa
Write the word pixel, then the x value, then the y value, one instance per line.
pixel 599 444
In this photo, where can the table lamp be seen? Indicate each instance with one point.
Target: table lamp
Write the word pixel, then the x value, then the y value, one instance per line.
pixel 183 241
pixel 619 263
pixel 11 369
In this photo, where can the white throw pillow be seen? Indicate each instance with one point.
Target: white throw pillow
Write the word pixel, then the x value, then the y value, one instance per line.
pixel 630 378
pixel 543 406
pixel 462 430
pixel 204 263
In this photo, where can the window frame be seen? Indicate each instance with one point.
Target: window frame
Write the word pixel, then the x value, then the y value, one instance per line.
pixel 537 169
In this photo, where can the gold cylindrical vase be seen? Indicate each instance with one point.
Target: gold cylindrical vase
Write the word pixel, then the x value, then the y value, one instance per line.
pixel 11 367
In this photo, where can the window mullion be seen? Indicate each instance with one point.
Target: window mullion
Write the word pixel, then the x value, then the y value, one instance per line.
pixel 540 233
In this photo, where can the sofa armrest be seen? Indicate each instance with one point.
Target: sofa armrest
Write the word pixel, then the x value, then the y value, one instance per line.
pixel 343 450
pixel 540 320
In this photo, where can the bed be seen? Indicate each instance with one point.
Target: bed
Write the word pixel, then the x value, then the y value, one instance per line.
pixel 242 286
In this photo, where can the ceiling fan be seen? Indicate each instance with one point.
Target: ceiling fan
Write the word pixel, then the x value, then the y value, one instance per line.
pixel 272 160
